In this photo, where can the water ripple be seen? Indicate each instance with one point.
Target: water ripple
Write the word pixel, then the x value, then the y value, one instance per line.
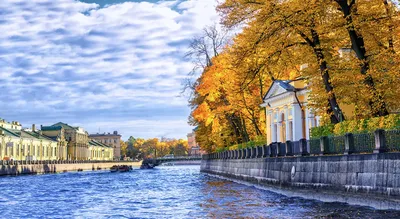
pixel 165 192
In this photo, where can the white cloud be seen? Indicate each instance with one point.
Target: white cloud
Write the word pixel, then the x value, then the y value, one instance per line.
pixel 67 59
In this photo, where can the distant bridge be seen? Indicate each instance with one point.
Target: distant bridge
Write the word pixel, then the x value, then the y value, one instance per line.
pixel 178 160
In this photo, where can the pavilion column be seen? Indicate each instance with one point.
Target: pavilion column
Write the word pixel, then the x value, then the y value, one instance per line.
pixel 287 126
pixel 307 121
pixel 274 132
pixel 274 123
pixel 297 122
pixel 269 126
pixel 279 132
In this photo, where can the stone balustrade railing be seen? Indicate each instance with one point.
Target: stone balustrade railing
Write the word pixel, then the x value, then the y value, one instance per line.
pixel 380 141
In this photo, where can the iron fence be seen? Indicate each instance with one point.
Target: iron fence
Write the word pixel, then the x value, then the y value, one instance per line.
pixel 393 140
pixel 335 145
pixel 356 143
pixel 314 145
pixel 364 142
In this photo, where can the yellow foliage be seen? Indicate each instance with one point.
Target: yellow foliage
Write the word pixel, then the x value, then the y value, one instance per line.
pixel 280 36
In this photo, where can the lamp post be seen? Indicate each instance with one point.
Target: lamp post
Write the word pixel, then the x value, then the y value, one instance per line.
pixel 340 114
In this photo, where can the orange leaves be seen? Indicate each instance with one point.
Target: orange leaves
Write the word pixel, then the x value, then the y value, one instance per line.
pixel 202 113
pixel 278 37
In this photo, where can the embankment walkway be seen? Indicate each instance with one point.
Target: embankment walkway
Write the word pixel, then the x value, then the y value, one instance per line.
pixel 18 168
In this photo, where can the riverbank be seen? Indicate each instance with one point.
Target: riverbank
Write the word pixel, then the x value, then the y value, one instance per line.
pixel 162 193
pixel 364 179
pixel 40 168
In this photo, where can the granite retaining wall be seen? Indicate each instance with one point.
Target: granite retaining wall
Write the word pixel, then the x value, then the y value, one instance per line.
pixel 363 179
pixel 54 168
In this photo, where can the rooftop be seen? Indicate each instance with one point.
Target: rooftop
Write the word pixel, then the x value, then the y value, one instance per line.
pixel 98 144
pixel 115 133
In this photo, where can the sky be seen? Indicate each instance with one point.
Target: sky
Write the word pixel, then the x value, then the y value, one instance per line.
pixel 103 65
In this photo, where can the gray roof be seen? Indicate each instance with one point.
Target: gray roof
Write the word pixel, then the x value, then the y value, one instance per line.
pixel 286 85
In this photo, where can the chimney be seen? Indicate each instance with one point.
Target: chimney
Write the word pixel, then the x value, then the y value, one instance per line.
pixel 33 127
pixel 115 132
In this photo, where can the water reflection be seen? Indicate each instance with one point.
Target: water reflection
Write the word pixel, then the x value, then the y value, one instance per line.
pixel 165 192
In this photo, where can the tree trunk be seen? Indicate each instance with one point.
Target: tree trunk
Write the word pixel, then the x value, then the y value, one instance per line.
pixel 377 104
pixel 334 110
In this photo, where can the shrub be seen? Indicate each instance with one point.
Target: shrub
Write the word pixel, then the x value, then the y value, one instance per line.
pixel 320 131
pixel 257 141
pixel 341 128
pixel 362 126
pixel 374 123
pixel 392 121
pixel 353 126
pixel 389 122
pixel 219 149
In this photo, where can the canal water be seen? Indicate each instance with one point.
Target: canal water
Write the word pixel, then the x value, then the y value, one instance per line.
pixel 164 192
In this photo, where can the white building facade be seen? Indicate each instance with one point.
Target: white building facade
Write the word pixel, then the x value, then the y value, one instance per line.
pixel 287 116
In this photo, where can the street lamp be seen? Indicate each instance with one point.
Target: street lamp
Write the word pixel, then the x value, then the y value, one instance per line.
pixel 340 114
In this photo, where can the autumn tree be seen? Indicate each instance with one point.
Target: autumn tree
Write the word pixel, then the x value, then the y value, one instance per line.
pixel 124 148
pixel 314 28
pixel 346 51
pixel 281 35
pixel 154 147
pixel 204 50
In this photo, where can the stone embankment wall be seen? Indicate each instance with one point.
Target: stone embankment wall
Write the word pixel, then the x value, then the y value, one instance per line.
pixel 364 179
pixel 184 162
pixel 54 168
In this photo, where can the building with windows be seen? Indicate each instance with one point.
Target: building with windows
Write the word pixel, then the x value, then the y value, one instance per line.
pixel 194 148
pixel 111 139
pixel 55 142
pixel 100 151
pixel 288 116
pixel 27 144
pixel 76 137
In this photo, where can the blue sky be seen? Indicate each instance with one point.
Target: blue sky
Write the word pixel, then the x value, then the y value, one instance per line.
pixel 101 64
